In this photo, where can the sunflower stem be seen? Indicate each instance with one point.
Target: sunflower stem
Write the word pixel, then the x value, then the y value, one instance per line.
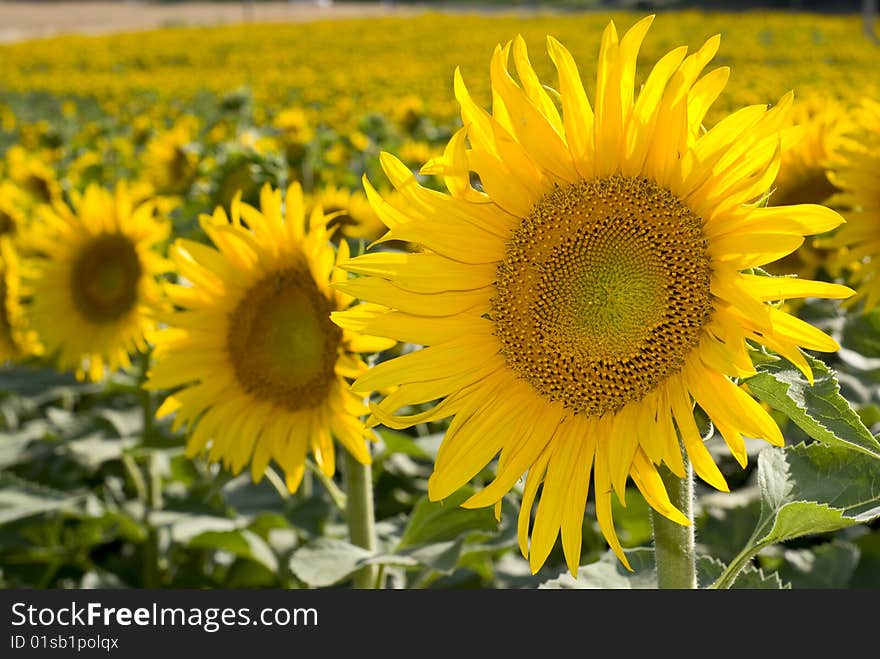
pixel 360 516
pixel 674 544
pixel 146 397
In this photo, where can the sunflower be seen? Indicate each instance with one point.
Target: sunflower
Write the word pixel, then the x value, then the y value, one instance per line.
pixel 12 216
pixel 856 175
pixel 803 175
pixel 93 285
pixel 349 210
pixel 258 369
pixel 295 133
pixel 16 340
pixel 35 179
pixel 171 160
pixel 592 288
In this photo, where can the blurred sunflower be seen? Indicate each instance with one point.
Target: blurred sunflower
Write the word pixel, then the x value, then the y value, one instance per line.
pixel 579 302
pixel 93 286
pixel 16 340
pixel 171 160
pixel 295 132
pixel 12 217
pixel 803 176
pixel 259 370
pixel 408 111
pixel 36 179
pixel 349 210
pixel 857 175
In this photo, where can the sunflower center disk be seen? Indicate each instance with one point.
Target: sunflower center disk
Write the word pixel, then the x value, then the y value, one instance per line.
pixel 105 278
pixel 7 224
pixel 602 293
pixel 281 342
pixel 5 325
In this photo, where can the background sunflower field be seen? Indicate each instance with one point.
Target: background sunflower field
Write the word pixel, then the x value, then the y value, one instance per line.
pixel 95 491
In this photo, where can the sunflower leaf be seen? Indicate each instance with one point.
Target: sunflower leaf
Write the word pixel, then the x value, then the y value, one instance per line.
pixel 608 573
pixel 326 561
pixel 830 565
pixel 20 499
pixel 437 521
pixel 241 543
pixel 814 489
pixel 819 410
pixel 809 489
pixel 752 578
pixel 805 490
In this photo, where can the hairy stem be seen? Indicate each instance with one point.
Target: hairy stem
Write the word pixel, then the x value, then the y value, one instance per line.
pixel 360 516
pixel 674 544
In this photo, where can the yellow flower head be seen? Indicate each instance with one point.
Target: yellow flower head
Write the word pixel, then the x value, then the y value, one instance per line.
pixel 349 210
pixel 170 162
pixel 12 215
pixel 408 111
pixel 34 177
pixel 857 175
pixel 591 288
pixel 258 368
pixel 803 167
pixel 803 175
pixel 17 341
pixel 93 285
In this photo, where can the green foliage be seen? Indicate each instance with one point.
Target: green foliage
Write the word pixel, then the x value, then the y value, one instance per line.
pixel 807 490
pixel 818 409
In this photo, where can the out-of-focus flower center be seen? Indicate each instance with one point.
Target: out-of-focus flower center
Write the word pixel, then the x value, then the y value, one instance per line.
pixel 281 342
pixel 105 276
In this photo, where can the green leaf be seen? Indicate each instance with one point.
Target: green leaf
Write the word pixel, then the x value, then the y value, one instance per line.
pixel 41 385
pixel 800 518
pixel 125 423
pixel 727 520
pixel 398 442
pixel 830 565
pixel 326 561
pixel 867 573
pixel 861 334
pixel 814 489
pixel 809 489
pixel 439 556
pixel 436 521
pixel 709 569
pixel 752 578
pixel 242 543
pixel 93 451
pixel 818 410
pixel 608 573
pixel 185 526
pixel 13 449
pixel 20 499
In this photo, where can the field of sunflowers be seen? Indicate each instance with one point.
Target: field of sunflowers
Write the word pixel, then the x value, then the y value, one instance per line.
pixel 329 305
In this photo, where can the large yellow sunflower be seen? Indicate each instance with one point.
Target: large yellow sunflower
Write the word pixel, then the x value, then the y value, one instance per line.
pixel 857 175
pixel 93 285
pixel 259 370
pixel 592 288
